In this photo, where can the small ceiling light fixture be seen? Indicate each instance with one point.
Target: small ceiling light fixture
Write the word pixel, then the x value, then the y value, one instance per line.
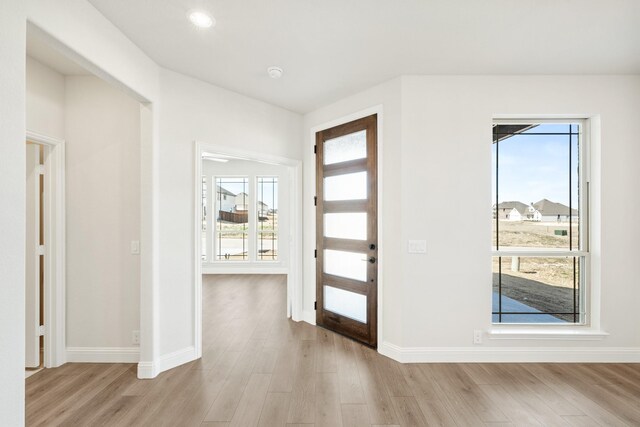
pixel 275 72
pixel 201 19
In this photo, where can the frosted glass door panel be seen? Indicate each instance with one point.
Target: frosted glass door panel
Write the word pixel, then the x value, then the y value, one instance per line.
pixel 344 148
pixel 346 225
pixel 345 303
pixel 350 186
pixel 352 265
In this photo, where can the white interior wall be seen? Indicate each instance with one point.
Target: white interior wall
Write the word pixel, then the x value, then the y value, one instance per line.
pixel 12 213
pixel 196 111
pixel 252 170
pixel 447 158
pixel 103 200
pixel 103 215
pixel 45 100
pixel 431 304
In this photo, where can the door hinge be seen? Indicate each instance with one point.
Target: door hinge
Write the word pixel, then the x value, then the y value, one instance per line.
pixel 41 330
pixel 41 169
pixel 315 305
pixel 315 253
pixel 40 249
pixel 315 149
pixel 315 200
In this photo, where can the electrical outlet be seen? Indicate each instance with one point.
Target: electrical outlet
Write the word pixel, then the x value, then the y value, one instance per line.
pixel 477 336
pixel 135 337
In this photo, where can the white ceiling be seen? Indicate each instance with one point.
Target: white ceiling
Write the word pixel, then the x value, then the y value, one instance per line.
pixel 333 48
pixel 38 48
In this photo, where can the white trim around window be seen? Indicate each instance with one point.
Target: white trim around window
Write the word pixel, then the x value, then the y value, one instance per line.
pixel 515 330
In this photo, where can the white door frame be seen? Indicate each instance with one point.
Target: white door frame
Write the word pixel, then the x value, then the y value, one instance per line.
pixel 294 274
pixel 55 249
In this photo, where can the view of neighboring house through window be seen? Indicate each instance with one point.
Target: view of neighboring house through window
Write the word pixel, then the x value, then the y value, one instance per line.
pixel 232 219
pixel 539 214
pixel 267 218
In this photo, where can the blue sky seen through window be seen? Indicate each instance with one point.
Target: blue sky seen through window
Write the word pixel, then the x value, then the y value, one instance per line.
pixel 535 167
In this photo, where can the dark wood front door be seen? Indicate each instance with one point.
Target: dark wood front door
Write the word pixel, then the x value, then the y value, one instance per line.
pixel 347 230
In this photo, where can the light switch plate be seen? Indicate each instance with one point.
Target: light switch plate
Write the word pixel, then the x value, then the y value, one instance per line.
pixel 135 247
pixel 417 246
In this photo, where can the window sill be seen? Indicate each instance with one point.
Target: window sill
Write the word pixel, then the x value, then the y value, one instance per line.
pixel 541 333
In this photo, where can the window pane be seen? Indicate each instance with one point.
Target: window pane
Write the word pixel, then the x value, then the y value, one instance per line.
pixel 351 265
pixel 232 247
pixel 267 247
pixel 575 189
pixel 345 148
pixel 346 225
pixel 267 203
pixel 232 219
pixel 345 303
pixel 351 186
pixel 535 188
pixel 536 289
pixel 267 217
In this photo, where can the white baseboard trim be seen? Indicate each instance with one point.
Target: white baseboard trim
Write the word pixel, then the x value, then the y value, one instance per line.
pixel 147 370
pixel 207 269
pixel 177 358
pixel 103 354
pixel 514 355
pixel 309 316
pixel 166 362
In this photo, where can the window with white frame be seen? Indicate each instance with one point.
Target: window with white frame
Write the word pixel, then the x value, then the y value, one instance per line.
pixel 244 218
pixel 267 218
pixel 540 211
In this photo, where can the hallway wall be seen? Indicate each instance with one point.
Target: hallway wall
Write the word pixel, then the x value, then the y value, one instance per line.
pixel 45 100
pixel 103 216
pixel 101 127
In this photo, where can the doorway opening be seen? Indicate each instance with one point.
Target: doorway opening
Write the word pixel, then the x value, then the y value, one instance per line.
pixel 108 128
pixel 44 253
pixel 248 221
pixel 34 257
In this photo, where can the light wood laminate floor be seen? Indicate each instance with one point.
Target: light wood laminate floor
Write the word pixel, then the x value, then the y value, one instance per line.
pixel 260 369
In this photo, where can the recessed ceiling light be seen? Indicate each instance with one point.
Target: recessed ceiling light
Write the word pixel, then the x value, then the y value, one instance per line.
pixel 201 19
pixel 275 72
